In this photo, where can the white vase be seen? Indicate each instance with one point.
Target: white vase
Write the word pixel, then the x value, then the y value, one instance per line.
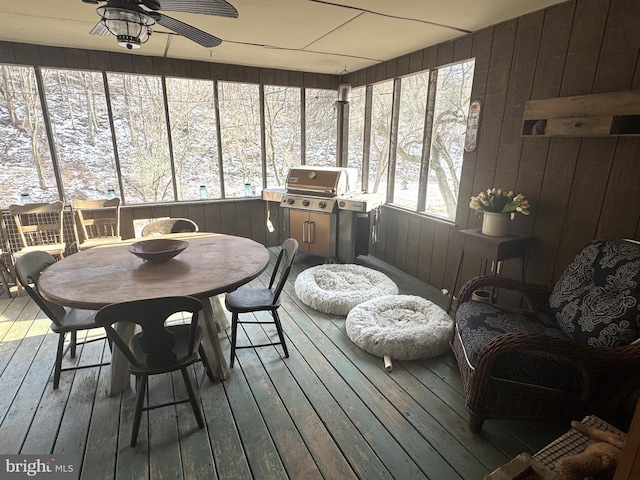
pixel 496 224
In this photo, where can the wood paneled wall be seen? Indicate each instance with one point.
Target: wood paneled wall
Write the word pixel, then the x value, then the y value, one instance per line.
pixel 245 218
pixel 580 188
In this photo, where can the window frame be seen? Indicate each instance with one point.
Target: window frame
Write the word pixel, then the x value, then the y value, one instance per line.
pixel 305 93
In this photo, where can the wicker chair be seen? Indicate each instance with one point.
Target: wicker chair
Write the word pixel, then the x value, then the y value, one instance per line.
pixel 571 352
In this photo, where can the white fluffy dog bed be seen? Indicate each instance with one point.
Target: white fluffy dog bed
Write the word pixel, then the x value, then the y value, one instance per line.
pixel 405 327
pixel 337 288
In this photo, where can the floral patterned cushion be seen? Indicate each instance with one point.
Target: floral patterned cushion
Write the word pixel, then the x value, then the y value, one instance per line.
pixel 477 323
pixel 597 299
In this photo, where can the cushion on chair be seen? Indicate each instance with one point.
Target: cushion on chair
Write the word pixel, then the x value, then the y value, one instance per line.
pixel 337 288
pixel 597 299
pixel 478 323
pixel 406 327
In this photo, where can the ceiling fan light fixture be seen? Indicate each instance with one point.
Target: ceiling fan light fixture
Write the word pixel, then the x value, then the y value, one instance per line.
pixel 130 28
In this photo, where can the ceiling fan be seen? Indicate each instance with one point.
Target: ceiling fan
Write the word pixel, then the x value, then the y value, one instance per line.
pixel 131 24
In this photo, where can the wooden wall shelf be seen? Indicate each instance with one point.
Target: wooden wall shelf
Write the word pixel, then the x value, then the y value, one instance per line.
pixel 604 114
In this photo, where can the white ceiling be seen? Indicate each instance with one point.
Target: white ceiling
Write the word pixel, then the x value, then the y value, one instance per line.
pixel 305 35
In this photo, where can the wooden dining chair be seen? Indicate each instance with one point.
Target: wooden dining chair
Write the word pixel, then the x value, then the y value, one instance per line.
pixel 98 222
pixel 246 299
pixel 158 348
pixel 169 225
pixel 63 320
pixel 39 227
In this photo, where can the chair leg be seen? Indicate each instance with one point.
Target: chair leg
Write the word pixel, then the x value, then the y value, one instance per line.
pixel 58 365
pixel 205 363
pixel 276 320
pixel 74 343
pixel 475 422
pixel 195 404
pixel 142 389
pixel 234 331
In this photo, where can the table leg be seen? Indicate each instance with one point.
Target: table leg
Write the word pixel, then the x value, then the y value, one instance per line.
pixel 219 313
pixel 455 281
pixel 210 341
pixel 120 375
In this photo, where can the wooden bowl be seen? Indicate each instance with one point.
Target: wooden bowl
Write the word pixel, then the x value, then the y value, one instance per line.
pixel 158 250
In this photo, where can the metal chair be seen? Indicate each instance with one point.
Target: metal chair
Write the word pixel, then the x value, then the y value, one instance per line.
pixel 158 348
pixel 169 225
pixel 246 299
pixel 39 228
pixel 98 221
pixel 63 320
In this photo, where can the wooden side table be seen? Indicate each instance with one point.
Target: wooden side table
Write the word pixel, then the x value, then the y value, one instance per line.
pixel 490 249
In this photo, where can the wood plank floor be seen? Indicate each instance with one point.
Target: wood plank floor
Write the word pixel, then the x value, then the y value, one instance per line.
pixel 329 411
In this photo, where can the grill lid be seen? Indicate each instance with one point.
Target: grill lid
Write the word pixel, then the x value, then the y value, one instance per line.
pixel 322 181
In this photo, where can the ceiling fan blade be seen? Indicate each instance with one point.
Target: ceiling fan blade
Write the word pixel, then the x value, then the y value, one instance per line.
pixel 188 31
pixel 99 29
pixel 221 8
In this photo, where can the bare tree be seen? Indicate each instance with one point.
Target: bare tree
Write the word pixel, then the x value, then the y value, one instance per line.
pixel 32 117
pixel 8 92
pixel 321 122
pixel 282 130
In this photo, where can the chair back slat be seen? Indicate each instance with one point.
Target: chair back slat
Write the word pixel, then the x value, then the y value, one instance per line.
pixel 169 225
pixel 285 260
pixel 11 241
pixel 28 269
pixel 98 218
pixel 39 223
pixel 156 340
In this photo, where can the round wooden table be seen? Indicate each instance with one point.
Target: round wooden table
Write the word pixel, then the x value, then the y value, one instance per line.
pixel 211 264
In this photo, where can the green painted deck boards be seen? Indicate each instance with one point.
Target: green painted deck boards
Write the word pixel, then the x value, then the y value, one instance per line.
pixel 329 411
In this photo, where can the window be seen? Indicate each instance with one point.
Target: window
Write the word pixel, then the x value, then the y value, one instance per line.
pixel 356 131
pixel 424 181
pixel 240 130
pixel 81 133
pixel 140 125
pixel 453 94
pixel 380 136
pixel 321 118
pixel 282 132
pixel 193 136
pixel 25 158
pixel 413 106
pixel 156 165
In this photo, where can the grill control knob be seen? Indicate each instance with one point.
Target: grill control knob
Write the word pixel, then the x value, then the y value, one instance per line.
pixel 342 204
pixel 322 204
pixel 290 201
pixel 305 203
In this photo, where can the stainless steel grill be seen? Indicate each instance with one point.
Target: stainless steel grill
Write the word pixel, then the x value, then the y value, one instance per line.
pixel 316 188
pixel 326 213
pixel 310 198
